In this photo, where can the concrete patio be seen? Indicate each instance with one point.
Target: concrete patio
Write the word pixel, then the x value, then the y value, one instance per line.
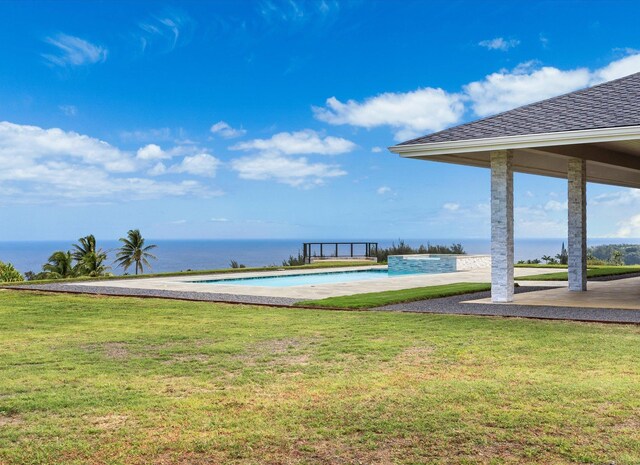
pixel 619 293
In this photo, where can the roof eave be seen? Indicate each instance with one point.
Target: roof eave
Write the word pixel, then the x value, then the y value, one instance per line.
pixel 518 142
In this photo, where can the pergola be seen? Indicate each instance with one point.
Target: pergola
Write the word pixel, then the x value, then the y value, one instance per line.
pixel 591 135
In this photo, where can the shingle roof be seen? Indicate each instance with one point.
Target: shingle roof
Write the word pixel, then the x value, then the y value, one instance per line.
pixel 611 104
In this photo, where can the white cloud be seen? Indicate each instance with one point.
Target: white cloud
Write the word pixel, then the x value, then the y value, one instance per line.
pixel 197 164
pixel 451 206
pixel 297 172
pixel 304 142
pixel 61 182
pixel 275 159
pixel 69 110
pixel 544 40
pixel 158 169
pixel 48 165
pixel 294 11
pixel 528 83
pixel 410 114
pixel 220 220
pixel 525 84
pixel 376 149
pixel 164 32
pixel 427 110
pixel 619 68
pixel 383 190
pixel 152 152
pixel 146 135
pixel 224 130
pixel 499 43
pixel 629 228
pixel 555 206
pixel 201 164
pixel 20 142
pixel 539 228
pixel 540 221
pixel 73 51
pixel 619 198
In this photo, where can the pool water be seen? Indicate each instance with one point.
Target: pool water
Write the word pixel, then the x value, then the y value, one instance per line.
pixel 303 279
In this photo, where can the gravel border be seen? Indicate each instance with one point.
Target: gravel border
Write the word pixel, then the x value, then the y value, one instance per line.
pixel 158 293
pixel 454 306
pixel 447 305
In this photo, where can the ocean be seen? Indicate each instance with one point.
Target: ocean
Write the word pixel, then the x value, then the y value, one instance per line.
pixel 206 254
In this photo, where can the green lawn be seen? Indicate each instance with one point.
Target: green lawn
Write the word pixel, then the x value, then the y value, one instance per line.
pixel 378 299
pixel 90 380
pixel 539 265
pixel 597 271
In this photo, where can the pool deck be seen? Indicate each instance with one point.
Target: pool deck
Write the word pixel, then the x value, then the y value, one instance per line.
pixel 185 284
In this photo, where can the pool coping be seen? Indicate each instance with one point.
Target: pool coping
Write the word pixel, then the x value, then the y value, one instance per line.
pixel 249 277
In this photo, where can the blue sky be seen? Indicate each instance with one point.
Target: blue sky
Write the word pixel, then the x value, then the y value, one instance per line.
pixel 270 119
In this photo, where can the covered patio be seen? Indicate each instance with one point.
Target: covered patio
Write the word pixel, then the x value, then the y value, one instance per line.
pixel 591 135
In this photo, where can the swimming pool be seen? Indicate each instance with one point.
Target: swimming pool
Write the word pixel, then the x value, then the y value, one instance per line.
pixel 302 279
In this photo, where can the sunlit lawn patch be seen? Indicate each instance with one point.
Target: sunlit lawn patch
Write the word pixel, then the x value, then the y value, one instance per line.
pixel 595 272
pixel 130 381
pixel 378 299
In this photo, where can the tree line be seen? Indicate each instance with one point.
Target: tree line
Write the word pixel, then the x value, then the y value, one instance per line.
pixel 86 259
pixel 608 254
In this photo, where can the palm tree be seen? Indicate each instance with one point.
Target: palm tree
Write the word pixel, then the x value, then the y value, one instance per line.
pixel 86 245
pixel 89 258
pixel 134 251
pixel 60 265
pixel 92 264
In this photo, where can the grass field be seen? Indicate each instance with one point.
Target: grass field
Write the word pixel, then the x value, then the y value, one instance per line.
pixel 378 299
pixel 597 271
pixel 90 380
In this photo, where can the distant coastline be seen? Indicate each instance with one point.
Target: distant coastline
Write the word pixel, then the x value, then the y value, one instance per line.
pixel 202 254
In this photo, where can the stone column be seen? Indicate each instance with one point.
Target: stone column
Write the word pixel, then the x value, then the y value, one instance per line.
pixel 502 226
pixel 577 206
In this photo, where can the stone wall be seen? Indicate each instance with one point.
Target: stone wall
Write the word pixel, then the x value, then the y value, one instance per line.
pixel 473 262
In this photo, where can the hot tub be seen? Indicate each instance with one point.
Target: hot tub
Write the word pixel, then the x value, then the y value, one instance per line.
pixel 436 263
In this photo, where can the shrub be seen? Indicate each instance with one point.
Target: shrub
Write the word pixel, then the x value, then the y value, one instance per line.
pixel 630 252
pixel 402 248
pixel 235 264
pixel 8 274
pixel 616 258
pixel 294 261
